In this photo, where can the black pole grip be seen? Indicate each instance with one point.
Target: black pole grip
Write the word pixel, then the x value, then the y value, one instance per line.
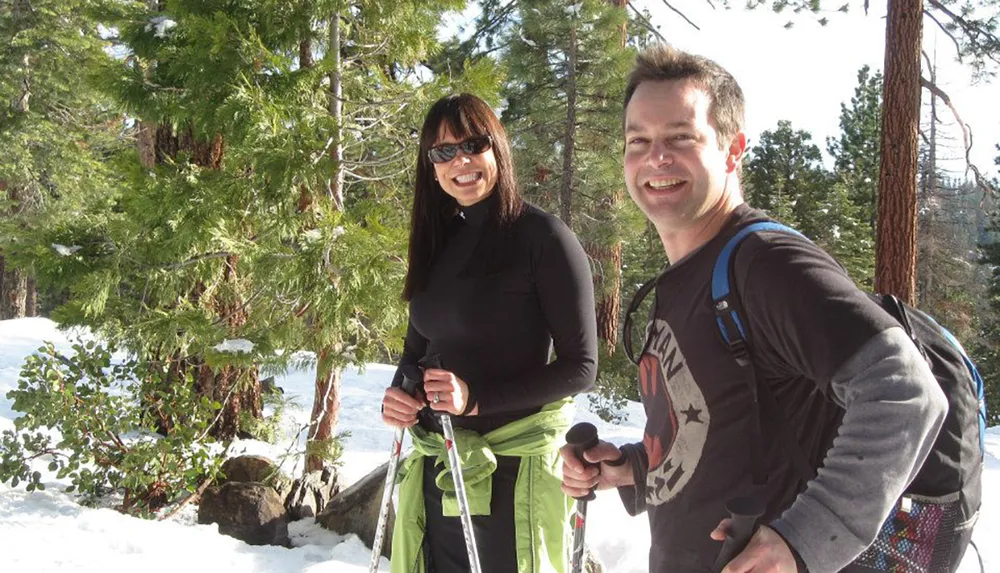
pixel 412 379
pixel 744 511
pixel 583 436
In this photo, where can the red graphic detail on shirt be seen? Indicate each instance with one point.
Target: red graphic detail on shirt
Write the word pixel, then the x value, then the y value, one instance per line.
pixel 656 398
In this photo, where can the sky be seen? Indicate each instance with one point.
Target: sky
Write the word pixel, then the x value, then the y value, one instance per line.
pixel 804 73
pixel 49 532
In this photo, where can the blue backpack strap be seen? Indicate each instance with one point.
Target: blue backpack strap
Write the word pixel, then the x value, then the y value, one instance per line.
pixel 722 285
pixel 980 388
pixel 734 335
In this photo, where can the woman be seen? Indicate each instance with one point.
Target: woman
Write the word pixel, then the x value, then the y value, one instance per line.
pixel 492 283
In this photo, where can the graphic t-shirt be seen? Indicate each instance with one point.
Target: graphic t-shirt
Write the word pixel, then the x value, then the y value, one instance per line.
pixel 805 318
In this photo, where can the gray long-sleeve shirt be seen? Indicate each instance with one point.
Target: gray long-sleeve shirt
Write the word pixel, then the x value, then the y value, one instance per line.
pixel 856 393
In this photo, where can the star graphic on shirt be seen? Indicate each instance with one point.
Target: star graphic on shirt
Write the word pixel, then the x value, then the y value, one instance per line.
pixel 692 414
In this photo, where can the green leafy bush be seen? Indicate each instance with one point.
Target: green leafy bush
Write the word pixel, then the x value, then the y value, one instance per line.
pixel 96 423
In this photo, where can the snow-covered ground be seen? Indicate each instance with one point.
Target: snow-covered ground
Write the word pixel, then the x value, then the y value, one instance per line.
pixel 48 531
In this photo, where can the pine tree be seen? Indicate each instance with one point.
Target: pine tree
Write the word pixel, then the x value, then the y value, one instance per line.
pixel 256 211
pixel 55 130
pixel 973 29
pixel 856 162
pixel 856 152
pixel 566 63
pixel 784 176
pixel 986 347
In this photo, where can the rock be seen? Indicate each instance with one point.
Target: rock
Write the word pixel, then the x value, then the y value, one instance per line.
pixel 249 469
pixel 355 510
pixel 252 512
pixel 591 563
pixel 268 386
pixel 310 494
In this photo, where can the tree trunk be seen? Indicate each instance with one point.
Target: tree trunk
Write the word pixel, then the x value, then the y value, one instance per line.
pixel 237 388
pixel 3 286
pixel 326 403
pixel 895 249
pixel 925 230
pixel 569 142
pixel 326 409
pixel 15 292
pixel 336 106
pixel 31 304
pixel 608 258
pixel 607 290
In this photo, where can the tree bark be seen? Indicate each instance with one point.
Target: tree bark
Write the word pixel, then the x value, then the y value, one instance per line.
pixel 569 141
pixel 237 388
pixel 31 303
pixel 608 258
pixel 3 286
pixel 896 248
pixel 326 402
pixel 326 408
pixel 15 290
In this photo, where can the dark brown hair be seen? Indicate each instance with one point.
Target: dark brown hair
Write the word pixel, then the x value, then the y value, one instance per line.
pixel 465 115
pixel 662 62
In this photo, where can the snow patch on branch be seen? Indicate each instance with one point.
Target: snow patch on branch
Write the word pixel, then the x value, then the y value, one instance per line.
pixel 161 24
pixel 66 251
pixel 235 346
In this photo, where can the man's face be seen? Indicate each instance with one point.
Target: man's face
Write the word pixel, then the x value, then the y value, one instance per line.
pixel 674 169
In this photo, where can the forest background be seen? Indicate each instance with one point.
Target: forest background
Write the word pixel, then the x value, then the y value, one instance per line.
pixel 221 189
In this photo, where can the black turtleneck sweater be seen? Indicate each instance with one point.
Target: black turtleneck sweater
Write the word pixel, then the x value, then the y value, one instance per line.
pixel 494 329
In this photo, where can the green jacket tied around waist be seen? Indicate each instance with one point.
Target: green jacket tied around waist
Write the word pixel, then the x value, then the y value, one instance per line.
pixel 541 509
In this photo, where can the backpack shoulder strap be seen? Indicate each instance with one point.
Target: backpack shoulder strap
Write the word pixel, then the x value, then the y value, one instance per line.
pixel 735 336
pixel 633 306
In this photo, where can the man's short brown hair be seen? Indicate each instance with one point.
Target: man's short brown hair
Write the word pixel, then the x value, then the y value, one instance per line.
pixel 662 62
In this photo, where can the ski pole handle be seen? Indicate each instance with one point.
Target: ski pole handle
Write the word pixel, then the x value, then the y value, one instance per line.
pixel 744 512
pixel 582 437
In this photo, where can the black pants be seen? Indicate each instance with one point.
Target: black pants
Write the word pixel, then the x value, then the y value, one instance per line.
pixel 444 542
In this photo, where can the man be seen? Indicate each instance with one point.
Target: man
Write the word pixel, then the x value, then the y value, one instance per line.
pixel 812 329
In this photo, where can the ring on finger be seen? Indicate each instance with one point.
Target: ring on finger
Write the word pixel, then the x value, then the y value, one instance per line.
pixel 437 397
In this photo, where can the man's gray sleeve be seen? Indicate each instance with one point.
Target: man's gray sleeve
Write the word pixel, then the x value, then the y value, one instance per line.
pixel 894 409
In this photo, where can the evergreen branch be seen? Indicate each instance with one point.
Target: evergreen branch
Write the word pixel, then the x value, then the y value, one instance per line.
pixel 195 259
pixel 982 38
pixel 485 28
pixel 681 14
pixel 158 87
pixel 239 308
pixel 924 137
pixel 393 158
pixel 983 183
pixel 647 24
pixel 379 50
pixel 379 178
pixel 958 47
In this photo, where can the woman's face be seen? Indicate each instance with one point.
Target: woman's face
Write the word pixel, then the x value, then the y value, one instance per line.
pixel 468 177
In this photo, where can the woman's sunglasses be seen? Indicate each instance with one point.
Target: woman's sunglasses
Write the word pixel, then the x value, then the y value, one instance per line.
pixel 471 146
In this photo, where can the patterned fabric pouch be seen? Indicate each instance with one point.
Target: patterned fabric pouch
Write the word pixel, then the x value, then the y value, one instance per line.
pixel 921 535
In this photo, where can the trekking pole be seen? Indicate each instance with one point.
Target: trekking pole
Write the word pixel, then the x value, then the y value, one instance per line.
pixel 745 512
pixel 582 437
pixel 434 361
pixel 409 386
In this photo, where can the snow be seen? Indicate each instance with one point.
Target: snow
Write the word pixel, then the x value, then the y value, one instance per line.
pixel 161 24
pixel 235 346
pixel 65 251
pixel 49 531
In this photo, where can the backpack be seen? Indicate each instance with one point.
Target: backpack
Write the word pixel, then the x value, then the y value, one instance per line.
pixel 930 526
